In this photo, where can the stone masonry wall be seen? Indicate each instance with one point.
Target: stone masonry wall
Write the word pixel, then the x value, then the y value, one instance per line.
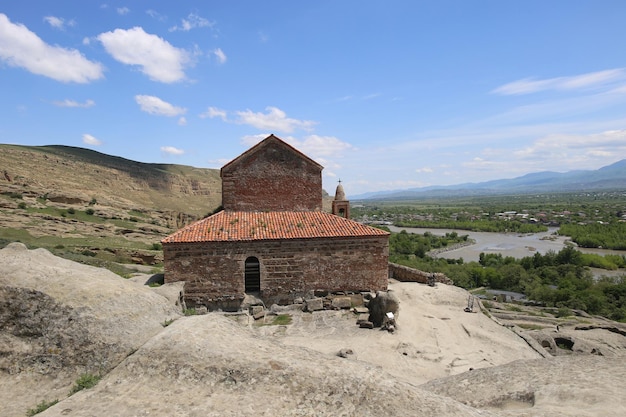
pixel 405 274
pixel 274 179
pixel 214 273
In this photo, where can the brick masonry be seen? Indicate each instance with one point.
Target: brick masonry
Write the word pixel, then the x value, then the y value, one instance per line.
pixel 275 178
pixel 214 271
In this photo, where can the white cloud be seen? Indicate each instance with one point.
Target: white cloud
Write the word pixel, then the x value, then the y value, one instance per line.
pixel 156 15
pixel 323 149
pixel 483 164
pixel 122 10
pixel 371 96
pixel 55 22
pixel 156 57
pixel 19 47
pixel 59 22
pixel 274 120
pixel 611 142
pixel 424 170
pixel 170 150
pixel 251 140
pixel 214 112
pixel 73 103
pixel 91 140
pixel 191 22
pixel 182 121
pixel 318 146
pixel 220 55
pixel 557 152
pixel 588 80
pixel 329 166
pixel 156 106
pixel 218 163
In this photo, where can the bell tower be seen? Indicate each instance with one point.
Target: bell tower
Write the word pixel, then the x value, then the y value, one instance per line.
pixel 341 206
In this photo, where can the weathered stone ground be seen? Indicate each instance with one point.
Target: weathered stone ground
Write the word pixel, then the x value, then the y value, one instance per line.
pixel 60 319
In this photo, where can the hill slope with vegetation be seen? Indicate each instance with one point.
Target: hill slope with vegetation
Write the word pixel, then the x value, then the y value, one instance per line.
pixel 80 175
pixel 96 208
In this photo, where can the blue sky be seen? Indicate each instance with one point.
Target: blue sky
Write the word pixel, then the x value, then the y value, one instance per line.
pixel 385 95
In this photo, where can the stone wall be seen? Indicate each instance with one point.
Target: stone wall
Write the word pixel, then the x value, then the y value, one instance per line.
pixel 214 272
pixel 273 179
pixel 406 274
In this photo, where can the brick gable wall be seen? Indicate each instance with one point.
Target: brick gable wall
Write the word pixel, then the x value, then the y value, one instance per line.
pixel 274 178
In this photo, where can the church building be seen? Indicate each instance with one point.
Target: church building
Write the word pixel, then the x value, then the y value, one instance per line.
pixel 272 239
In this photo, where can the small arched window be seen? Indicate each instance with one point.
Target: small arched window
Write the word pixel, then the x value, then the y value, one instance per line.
pixel 252 275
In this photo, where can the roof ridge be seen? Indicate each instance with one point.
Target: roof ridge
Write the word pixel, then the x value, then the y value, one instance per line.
pixel 271 225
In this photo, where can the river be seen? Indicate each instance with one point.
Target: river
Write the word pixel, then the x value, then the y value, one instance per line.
pixel 509 244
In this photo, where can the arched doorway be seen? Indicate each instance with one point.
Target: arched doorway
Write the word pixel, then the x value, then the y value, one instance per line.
pixel 252 276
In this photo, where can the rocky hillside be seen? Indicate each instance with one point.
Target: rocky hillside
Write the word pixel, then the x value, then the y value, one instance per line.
pixel 97 208
pixel 71 175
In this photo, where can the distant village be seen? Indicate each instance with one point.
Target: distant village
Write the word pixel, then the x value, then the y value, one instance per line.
pixel 366 213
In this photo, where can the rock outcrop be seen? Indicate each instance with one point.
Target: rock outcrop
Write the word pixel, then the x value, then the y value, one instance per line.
pixel 211 366
pixel 59 319
pixel 379 306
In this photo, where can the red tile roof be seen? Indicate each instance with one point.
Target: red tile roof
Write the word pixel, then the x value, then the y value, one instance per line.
pixel 243 225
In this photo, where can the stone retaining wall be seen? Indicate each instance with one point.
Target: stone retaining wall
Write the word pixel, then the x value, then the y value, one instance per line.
pixel 405 274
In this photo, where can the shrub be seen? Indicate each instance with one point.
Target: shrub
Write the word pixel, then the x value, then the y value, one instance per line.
pixel 14 195
pixel 157 246
pixel 190 312
pixel 85 381
pixel 90 211
pixel 22 205
pixel 563 312
pixel 42 406
pixel 71 210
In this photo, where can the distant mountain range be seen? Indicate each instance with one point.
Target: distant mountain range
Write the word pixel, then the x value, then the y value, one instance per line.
pixel 611 177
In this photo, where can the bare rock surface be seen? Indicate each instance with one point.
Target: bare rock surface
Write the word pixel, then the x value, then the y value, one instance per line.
pixel 577 334
pixel 434 336
pixel 582 386
pixel 59 319
pixel 212 366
